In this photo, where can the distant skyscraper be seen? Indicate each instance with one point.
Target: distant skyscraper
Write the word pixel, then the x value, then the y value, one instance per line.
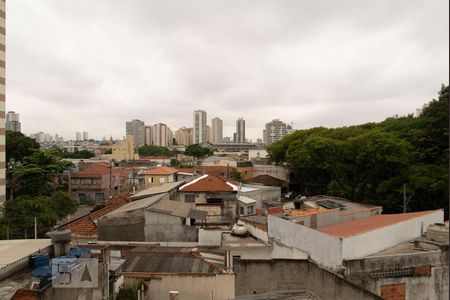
pixel 274 131
pixel 183 136
pixel 200 131
pixel 216 131
pixel 85 136
pixel 148 135
pixel 161 135
pixel 13 121
pixel 136 128
pixel 2 104
pixel 78 136
pixel 240 131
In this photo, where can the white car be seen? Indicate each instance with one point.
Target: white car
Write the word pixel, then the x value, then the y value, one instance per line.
pixel 239 229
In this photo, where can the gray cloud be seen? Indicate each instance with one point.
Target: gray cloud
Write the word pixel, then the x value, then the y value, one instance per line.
pixel 92 65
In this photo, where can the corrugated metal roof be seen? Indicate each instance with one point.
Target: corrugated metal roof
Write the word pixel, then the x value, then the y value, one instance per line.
pixel 138 204
pixel 177 208
pixel 165 188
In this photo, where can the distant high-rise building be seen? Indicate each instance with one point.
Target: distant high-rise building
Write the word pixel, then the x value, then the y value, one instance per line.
pixel 200 131
pixel 148 135
pixel 2 104
pixel 13 121
pixel 183 136
pixel 216 135
pixel 161 135
pixel 136 128
pixel 85 136
pixel 78 136
pixel 240 131
pixel 275 131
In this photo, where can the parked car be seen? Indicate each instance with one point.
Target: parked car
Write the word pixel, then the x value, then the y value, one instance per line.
pixel 239 230
pixel 290 195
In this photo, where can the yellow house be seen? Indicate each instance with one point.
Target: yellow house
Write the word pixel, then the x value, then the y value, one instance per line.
pixel 159 176
pixel 124 150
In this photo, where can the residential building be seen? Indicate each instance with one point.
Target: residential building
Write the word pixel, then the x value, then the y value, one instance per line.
pixel 199 130
pixel 240 131
pixel 2 104
pixel 78 136
pixel 124 150
pixel 152 219
pixel 159 176
pixel 183 136
pixel 258 154
pixel 85 136
pixel 280 172
pixel 222 161
pixel 148 139
pixel 160 135
pixel 13 121
pixel 188 273
pixel 216 135
pixel 136 128
pixel 94 184
pixel 275 131
pixel 236 147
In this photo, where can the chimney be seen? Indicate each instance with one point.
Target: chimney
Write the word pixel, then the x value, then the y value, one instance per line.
pixel 61 241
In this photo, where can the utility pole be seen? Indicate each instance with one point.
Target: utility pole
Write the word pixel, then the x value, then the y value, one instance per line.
pixel 110 179
pixel 35 228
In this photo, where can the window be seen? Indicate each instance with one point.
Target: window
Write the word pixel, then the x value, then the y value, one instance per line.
pixel 250 209
pixel 189 198
pixel 162 180
pixel 241 211
pixel 99 197
pixel 150 180
pixel 82 198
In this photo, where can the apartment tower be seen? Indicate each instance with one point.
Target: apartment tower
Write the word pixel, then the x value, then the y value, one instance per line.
pixel 136 128
pixel 240 131
pixel 216 131
pixel 13 121
pixel 200 130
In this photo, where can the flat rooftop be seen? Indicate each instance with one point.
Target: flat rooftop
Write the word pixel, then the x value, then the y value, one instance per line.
pixel 229 241
pixel 414 246
pixel 13 250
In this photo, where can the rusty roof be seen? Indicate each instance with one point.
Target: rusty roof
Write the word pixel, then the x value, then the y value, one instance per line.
pixel 360 226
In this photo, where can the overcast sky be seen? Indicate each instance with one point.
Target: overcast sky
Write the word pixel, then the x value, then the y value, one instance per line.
pixel 94 64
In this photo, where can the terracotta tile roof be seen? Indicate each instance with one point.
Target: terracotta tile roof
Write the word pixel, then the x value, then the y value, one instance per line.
pixel 99 170
pixel 364 225
pixel 267 180
pixel 210 183
pixel 161 171
pixel 86 226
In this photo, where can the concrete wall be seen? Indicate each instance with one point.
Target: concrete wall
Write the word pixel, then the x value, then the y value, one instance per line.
pixel 127 226
pixel 263 276
pixel 263 194
pixel 166 228
pixel 272 170
pixel 376 240
pixel 189 286
pixel 322 248
pixel 209 237
pixel 432 285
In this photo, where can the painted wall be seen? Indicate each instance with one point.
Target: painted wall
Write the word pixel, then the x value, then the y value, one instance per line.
pixel 166 228
pixel 380 239
pixel 272 170
pixel 190 286
pixel 322 248
pixel 263 194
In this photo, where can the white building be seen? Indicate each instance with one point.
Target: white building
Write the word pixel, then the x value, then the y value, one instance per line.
pixel 13 121
pixel 200 130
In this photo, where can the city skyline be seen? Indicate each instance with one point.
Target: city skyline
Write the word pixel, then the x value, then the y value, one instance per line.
pixel 263 61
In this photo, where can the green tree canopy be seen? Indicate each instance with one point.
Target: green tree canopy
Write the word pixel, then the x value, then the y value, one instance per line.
pixel 150 150
pixel 197 151
pixel 372 162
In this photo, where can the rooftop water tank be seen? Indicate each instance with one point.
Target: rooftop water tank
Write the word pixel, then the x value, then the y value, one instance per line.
pixel 437 232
